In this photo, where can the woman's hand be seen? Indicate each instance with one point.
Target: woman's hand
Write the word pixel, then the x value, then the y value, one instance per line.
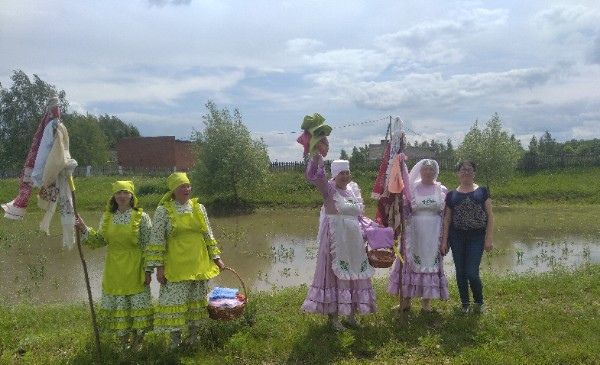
pixel 323 146
pixel 148 278
pixel 219 263
pixel 80 224
pixel 488 245
pixel 444 248
pixel 160 275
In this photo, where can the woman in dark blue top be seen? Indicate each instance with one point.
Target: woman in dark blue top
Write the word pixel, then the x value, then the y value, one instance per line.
pixel 468 230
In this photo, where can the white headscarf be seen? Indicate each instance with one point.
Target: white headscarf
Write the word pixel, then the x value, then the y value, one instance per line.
pixel 338 166
pixel 414 177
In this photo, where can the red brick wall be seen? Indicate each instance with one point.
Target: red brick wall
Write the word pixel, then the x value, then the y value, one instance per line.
pixel 184 155
pixel 155 152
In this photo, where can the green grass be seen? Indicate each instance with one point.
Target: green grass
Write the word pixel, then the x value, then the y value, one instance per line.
pixel 289 189
pixel 572 186
pixel 550 318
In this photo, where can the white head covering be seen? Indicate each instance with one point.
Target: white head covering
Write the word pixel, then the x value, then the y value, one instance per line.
pixel 52 102
pixel 338 166
pixel 414 177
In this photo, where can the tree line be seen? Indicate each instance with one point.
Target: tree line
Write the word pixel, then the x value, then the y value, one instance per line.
pixel 499 154
pixel 21 108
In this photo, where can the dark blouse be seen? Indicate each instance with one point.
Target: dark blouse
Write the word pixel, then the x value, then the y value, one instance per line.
pixel 468 209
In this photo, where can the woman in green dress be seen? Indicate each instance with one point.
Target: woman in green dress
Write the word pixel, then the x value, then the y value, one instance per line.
pixel 126 306
pixel 185 254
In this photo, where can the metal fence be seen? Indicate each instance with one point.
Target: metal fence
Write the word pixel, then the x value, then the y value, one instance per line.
pixel 529 163
pixel 371 165
pixel 536 162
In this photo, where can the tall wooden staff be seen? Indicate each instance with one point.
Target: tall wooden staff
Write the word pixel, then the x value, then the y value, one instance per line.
pixel 85 274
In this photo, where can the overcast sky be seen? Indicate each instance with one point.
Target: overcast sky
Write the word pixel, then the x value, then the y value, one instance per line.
pixel 439 65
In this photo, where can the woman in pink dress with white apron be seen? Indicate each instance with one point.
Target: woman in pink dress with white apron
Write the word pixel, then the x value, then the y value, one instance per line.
pixel 342 282
pixel 422 275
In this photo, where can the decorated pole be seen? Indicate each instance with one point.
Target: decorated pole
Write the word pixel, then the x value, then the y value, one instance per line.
pixel 86 275
pixel 49 167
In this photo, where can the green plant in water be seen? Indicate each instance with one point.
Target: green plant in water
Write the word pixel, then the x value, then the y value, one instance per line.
pixel 520 254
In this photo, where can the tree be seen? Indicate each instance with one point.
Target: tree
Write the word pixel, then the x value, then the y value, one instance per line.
pixel 530 157
pixel 359 156
pixel 230 163
pixel 21 108
pixel 87 141
pixel 343 155
pixel 492 150
pixel 449 146
pixel 115 129
pixel 547 145
pixel 533 145
pixel 449 149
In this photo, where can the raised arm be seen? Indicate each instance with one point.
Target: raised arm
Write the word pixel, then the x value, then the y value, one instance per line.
pixel 315 174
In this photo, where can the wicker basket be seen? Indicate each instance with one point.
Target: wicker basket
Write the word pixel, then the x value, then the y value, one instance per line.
pixel 227 314
pixel 381 258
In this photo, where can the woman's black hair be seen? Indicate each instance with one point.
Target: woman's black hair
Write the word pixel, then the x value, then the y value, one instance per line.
pixel 463 162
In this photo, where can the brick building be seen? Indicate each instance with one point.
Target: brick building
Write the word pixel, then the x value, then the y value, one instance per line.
pixel 164 152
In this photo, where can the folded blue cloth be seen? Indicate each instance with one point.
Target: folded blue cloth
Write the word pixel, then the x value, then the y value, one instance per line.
pixel 222 293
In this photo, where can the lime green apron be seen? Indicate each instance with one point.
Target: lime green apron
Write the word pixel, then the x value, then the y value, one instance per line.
pixel 123 269
pixel 187 256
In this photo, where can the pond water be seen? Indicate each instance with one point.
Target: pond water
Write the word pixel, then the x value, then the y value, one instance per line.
pixel 277 248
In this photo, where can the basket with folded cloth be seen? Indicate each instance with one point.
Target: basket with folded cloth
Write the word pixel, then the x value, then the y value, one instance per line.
pixel 380 245
pixel 227 303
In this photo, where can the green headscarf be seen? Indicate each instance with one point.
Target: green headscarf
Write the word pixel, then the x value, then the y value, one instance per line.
pixel 174 180
pixel 315 125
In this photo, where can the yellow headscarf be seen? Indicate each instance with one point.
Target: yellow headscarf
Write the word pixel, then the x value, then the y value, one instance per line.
pixel 174 180
pixel 123 185
pixel 117 186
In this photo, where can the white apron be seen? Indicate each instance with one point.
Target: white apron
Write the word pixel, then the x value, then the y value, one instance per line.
pixel 424 229
pixel 350 260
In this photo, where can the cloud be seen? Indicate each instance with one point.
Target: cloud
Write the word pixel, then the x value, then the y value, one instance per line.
pixel 161 3
pixel 145 88
pixel 572 26
pixel 303 45
pixel 587 129
pixel 358 63
pixel 434 89
pixel 568 16
pixel 594 53
pixel 437 41
pixel 440 65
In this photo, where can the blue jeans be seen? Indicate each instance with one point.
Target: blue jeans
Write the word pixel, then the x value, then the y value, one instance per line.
pixel 467 249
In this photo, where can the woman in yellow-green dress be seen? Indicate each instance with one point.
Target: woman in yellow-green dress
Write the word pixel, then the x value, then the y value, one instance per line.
pixel 126 306
pixel 185 254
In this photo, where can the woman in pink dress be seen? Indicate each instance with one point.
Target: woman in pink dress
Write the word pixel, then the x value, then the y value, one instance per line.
pixel 342 280
pixel 422 275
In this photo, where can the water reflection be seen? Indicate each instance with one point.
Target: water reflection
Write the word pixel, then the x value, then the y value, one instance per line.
pixel 277 248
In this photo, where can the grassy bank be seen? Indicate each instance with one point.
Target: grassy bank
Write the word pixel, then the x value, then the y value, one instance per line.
pixel 544 319
pixel 289 189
